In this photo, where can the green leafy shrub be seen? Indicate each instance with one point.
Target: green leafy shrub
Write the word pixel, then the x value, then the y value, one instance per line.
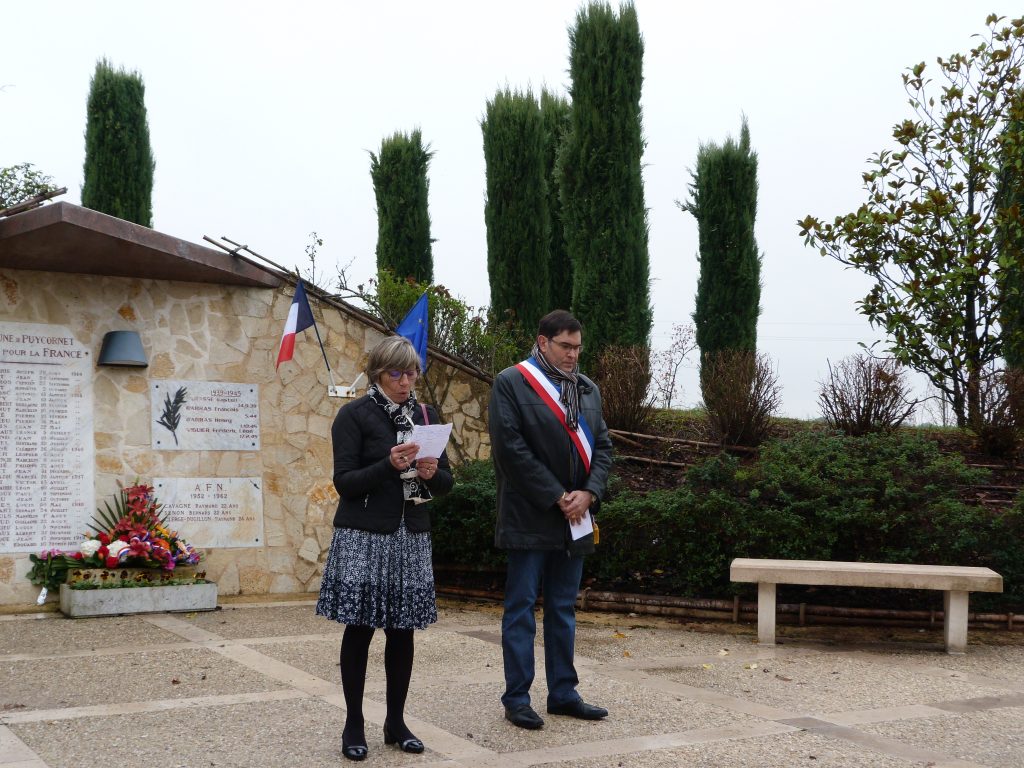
pixel 874 498
pixel 462 525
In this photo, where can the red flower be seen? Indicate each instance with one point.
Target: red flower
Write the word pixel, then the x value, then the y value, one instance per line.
pixel 104 538
pixel 102 552
pixel 77 555
pixel 138 547
pixel 112 562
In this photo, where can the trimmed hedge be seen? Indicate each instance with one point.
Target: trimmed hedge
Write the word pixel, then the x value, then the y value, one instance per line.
pixel 874 498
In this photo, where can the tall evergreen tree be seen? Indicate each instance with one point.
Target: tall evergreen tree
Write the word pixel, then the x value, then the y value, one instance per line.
pixel 400 185
pixel 119 162
pixel 601 184
pixel 724 202
pixel 556 113
pixel 516 211
pixel 1010 236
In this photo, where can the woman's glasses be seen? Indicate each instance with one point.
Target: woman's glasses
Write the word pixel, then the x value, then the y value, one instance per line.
pixel 397 375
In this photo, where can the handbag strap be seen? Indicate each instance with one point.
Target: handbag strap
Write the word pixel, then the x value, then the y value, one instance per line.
pixel 426 419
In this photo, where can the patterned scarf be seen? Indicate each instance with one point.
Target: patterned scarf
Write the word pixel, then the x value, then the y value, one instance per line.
pixel 400 414
pixel 569 384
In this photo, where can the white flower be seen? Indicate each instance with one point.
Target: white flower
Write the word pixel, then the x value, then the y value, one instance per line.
pixel 89 547
pixel 115 548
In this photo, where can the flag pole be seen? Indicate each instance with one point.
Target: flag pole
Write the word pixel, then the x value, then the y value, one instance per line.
pixel 330 373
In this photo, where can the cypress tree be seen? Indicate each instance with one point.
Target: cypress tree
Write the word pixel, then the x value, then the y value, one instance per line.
pixel 119 162
pixel 400 185
pixel 724 202
pixel 516 212
pixel 601 184
pixel 1010 238
pixel 556 114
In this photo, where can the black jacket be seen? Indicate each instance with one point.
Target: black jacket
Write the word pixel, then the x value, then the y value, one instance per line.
pixel 370 488
pixel 535 462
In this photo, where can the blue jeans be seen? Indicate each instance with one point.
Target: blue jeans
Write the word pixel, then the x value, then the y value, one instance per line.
pixel 559 576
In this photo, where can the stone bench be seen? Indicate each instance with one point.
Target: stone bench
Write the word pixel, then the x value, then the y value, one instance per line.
pixel 954 581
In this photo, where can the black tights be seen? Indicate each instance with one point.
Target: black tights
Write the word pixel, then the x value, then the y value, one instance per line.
pixel 398 653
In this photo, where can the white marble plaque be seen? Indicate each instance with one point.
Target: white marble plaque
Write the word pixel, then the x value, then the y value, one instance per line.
pixel 46 439
pixel 204 416
pixel 213 511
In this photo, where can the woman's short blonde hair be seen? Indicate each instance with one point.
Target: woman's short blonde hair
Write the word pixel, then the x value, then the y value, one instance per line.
pixel 394 353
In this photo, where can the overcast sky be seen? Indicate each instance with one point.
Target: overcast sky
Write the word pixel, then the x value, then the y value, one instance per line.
pixel 262 115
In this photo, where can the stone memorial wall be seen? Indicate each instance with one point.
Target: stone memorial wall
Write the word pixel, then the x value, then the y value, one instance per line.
pixel 70 431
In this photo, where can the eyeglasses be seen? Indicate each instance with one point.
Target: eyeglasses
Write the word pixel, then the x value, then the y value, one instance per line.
pixel 396 375
pixel 565 347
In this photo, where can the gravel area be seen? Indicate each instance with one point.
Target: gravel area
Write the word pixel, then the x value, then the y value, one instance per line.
pixel 79 682
pixel 56 634
pixel 787 750
pixel 474 711
pixel 238 622
pixel 821 684
pixel 637 641
pixel 265 735
pixel 992 661
pixel 643 670
pixel 994 737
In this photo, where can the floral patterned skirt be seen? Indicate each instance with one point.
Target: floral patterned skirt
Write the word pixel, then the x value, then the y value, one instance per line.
pixel 382 580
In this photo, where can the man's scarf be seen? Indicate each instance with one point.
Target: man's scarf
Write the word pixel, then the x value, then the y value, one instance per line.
pixel 568 383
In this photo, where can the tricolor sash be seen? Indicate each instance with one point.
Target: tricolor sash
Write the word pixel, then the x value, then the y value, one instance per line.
pixel 549 393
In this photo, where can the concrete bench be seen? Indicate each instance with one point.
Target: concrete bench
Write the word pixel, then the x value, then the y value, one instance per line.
pixel 954 581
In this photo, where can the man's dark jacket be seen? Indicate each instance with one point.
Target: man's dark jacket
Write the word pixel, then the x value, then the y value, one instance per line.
pixel 372 496
pixel 536 462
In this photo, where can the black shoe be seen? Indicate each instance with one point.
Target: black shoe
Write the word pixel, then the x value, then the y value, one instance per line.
pixel 353 739
pixel 578 709
pixel 524 717
pixel 353 751
pixel 409 744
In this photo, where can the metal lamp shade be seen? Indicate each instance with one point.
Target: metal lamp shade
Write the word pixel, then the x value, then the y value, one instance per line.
pixel 122 348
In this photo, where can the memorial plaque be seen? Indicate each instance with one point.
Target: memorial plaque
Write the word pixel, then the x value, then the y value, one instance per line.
pixel 204 416
pixel 213 511
pixel 46 438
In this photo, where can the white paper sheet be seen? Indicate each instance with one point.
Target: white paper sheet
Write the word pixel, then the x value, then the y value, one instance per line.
pixel 583 527
pixel 432 438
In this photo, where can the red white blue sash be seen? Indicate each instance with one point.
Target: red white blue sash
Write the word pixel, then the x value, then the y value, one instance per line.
pixel 549 393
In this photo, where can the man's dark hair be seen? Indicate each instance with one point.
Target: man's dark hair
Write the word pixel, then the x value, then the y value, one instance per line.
pixel 553 323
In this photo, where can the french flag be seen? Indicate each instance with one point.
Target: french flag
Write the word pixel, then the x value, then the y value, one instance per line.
pixel 300 317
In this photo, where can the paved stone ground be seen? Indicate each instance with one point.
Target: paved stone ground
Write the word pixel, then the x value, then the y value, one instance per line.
pixel 256 685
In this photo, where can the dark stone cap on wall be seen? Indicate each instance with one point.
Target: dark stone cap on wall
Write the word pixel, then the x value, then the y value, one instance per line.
pixel 63 237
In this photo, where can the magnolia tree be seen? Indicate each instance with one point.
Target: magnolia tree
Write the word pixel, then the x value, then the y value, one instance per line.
pixel 929 232
pixel 19 182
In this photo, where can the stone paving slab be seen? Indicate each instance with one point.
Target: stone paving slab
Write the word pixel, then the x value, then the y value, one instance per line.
pixel 979 660
pixel 776 751
pixel 994 737
pixel 37 636
pixel 131 677
pixel 248 621
pixel 258 686
pixel 302 732
pixel 474 711
pixel 823 683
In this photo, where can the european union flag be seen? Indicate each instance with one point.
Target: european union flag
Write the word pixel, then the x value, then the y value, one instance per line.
pixel 414 328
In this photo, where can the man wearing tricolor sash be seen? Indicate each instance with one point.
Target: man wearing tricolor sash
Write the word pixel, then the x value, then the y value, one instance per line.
pixel 552 455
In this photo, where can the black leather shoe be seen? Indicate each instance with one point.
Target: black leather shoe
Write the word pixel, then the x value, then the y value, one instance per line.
pixel 524 717
pixel 410 744
pixel 578 709
pixel 353 751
